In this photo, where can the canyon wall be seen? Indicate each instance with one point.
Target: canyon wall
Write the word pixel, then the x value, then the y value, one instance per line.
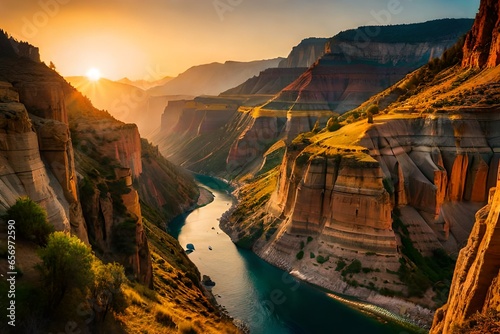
pixel 23 171
pixel 475 286
pixel 482 45
pixel 359 63
pixel 338 195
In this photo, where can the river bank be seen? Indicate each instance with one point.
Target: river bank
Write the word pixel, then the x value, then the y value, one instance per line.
pixel 256 293
pixel 410 315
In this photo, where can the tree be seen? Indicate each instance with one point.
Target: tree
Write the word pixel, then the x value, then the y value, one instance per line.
pixel 373 109
pixel 31 220
pixel 370 117
pixel 105 289
pixel 66 264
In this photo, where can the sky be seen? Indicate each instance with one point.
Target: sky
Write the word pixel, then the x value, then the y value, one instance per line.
pixel 149 39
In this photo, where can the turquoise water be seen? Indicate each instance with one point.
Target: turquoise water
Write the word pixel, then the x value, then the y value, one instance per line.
pixel 266 298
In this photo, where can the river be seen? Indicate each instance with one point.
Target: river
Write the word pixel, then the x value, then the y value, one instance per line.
pixel 266 298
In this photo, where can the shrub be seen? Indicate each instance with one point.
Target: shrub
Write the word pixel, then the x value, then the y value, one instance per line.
pixel 187 328
pixel 31 220
pixel 311 255
pixel 309 239
pixel 106 286
pixel 163 317
pixel 353 268
pixel 333 124
pixel 300 255
pixel 373 109
pixel 340 265
pixel 321 259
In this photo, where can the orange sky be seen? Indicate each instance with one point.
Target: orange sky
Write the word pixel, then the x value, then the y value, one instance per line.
pixel 153 38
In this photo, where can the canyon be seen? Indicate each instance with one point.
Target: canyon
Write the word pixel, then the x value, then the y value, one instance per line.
pixel 345 75
pixel 98 180
pixel 365 166
pixel 370 204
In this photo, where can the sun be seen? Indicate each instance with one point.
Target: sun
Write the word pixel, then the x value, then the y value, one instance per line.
pixel 93 74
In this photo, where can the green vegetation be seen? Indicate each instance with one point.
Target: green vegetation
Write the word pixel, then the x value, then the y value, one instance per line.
pixel 123 237
pixel 31 220
pixel 420 273
pixel 66 264
pixel 353 268
pixel 340 265
pixel 311 255
pixel 309 239
pixel 322 259
pixel 300 255
pixel 105 288
pixel 333 124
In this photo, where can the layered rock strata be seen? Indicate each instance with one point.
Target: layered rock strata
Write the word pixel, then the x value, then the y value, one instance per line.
pixel 24 173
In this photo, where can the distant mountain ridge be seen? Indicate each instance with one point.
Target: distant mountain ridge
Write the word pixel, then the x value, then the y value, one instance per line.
pixel 305 53
pixel 353 68
pixel 213 78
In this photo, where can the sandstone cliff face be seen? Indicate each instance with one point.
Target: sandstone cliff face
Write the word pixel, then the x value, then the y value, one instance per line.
pixel 475 286
pixel 482 45
pixel 23 172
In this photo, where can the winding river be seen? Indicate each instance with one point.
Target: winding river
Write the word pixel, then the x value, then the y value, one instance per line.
pixel 266 298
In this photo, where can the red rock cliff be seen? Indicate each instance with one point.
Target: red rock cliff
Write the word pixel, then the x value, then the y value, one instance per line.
pixel 482 46
pixel 475 286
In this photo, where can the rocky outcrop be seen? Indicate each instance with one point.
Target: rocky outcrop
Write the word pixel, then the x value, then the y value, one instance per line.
pixel 482 45
pixel 475 286
pixel 336 195
pixel 341 199
pixel 25 50
pixel 305 53
pixel 10 47
pixel 44 99
pixel 23 172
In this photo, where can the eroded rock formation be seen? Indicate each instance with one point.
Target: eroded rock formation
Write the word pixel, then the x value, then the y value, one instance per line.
pixel 475 285
pixel 482 46
pixel 23 172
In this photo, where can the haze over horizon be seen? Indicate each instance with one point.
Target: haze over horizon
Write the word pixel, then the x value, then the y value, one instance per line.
pixel 155 38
